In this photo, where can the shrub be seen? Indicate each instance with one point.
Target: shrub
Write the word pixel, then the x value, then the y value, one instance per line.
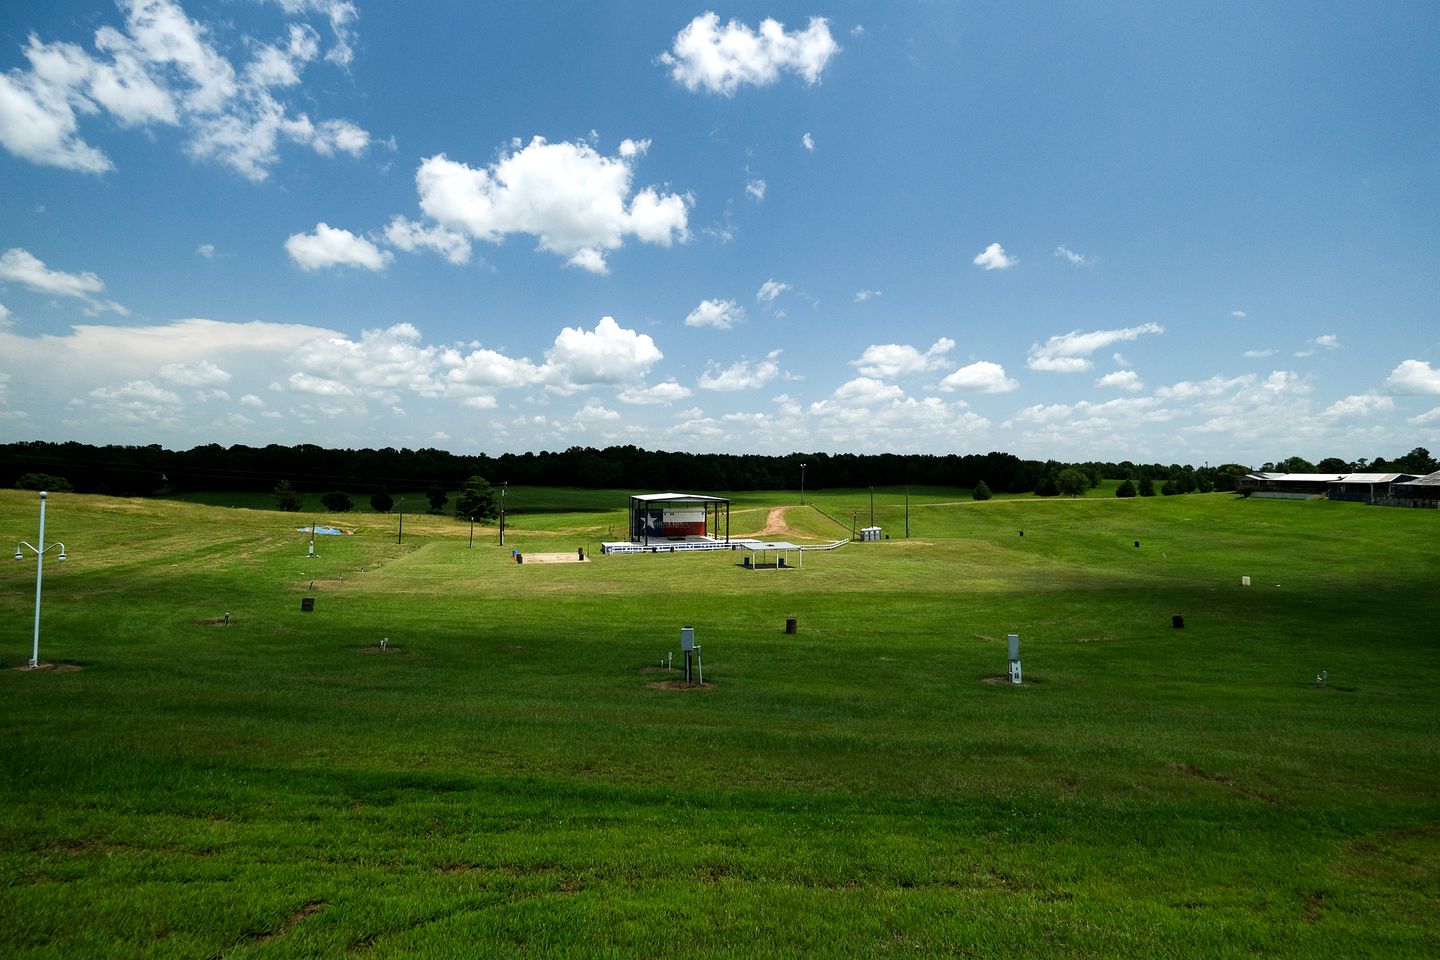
pixel 981 491
pixel 337 502
pixel 381 501
pixel 1126 489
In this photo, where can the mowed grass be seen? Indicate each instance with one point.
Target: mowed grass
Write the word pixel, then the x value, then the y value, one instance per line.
pixel 505 781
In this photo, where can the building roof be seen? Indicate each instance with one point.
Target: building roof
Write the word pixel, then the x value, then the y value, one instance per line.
pixel 1431 480
pixel 677 498
pixel 1372 477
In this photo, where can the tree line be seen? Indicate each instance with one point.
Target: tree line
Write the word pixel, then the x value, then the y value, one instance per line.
pixel 148 470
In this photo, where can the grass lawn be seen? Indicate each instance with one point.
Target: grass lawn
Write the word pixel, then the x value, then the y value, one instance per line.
pixel 505 780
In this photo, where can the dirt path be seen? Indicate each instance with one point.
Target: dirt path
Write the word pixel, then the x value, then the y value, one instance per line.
pixel 775 524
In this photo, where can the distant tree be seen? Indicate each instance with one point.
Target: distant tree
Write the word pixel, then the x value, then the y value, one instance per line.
pixel 1146 487
pixel 286 498
pixel 1047 486
pixel 337 502
pixel 981 491
pixel 1072 482
pixel 44 481
pixel 381 501
pixel 437 497
pixel 1332 465
pixel 1227 476
pixel 1417 461
pixel 1204 484
pixel 476 500
pixel 1170 487
pixel 1295 465
pixel 1126 489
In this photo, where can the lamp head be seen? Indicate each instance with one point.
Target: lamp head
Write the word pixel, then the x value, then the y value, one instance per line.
pixel 61 558
pixel 43 494
pixel 19 555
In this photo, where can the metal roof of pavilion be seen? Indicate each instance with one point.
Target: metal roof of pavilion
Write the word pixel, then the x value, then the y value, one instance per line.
pixel 677 498
pixel 1430 480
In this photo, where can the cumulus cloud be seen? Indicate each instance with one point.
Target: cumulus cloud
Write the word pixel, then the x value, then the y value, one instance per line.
pixel 994 257
pixel 807 141
pixel 720 314
pixel 405 234
pixel 1328 340
pixel 1070 352
pixel 1423 419
pixel 332 247
pixel 161 68
pixel 1414 376
pixel 1078 259
pixel 660 394
pixel 869 412
pixel 1122 411
pixel 575 201
pixel 206 250
pixel 1360 405
pixel 719 59
pixel 20 266
pixel 862 295
pixel 202 373
pixel 1239 314
pixel 755 189
pixel 1121 380
pixel 608 354
pixel 1258 354
pixel 743 374
pixel 982 376
pixel 6 318
pixel 770 289
pixel 891 360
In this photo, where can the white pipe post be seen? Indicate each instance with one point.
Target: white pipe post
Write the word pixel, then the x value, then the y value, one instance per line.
pixel 39 571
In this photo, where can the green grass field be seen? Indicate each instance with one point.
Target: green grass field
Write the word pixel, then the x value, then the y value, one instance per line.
pixel 505 780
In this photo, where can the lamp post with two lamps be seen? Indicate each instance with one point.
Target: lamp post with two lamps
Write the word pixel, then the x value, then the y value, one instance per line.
pixel 39 552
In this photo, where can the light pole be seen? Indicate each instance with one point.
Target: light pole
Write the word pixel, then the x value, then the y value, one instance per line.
pixel 872 506
pixel 802 484
pixel 39 572
pixel 504 486
pixel 472 529
pixel 400 533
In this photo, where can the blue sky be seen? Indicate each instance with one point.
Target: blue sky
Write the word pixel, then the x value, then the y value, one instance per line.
pixel 1177 233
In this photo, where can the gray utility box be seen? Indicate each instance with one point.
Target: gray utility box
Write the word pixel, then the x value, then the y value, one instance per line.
pixel 1015 658
pixel 687 638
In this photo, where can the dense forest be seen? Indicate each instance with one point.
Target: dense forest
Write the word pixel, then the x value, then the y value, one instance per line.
pixel 148 470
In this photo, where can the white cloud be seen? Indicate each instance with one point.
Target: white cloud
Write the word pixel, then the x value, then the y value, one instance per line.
pixel 608 354
pixel 1121 380
pixel 721 59
pixel 382 359
pixel 807 141
pixel 868 413
pixel 770 289
pixel 341 14
pixel 1078 259
pixel 755 189
pixel 994 257
pixel 571 198
pixel 661 394
pixel 1239 314
pixel 202 373
pixel 743 374
pixel 1096 416
pixel 1414 376
pixel 891 360
pixel 982 376
pixel 251 400
pixel 1424 419
pixel 6 318
pixel 1360 405
pixel 1069 353
pixel 1329 341
pixel 21 266
pixel 406 234
pixel 1258 354
pixel 162 68
pixel 862 295
pixel 332 247
pixel 206 250
pixel 596 412
pixel 720 314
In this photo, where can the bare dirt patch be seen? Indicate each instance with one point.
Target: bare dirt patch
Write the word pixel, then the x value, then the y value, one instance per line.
pixel 573 557
pixel 388 648
pixel 1224 781
pixel 51 667
pixel 680 685
pixel 775 525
